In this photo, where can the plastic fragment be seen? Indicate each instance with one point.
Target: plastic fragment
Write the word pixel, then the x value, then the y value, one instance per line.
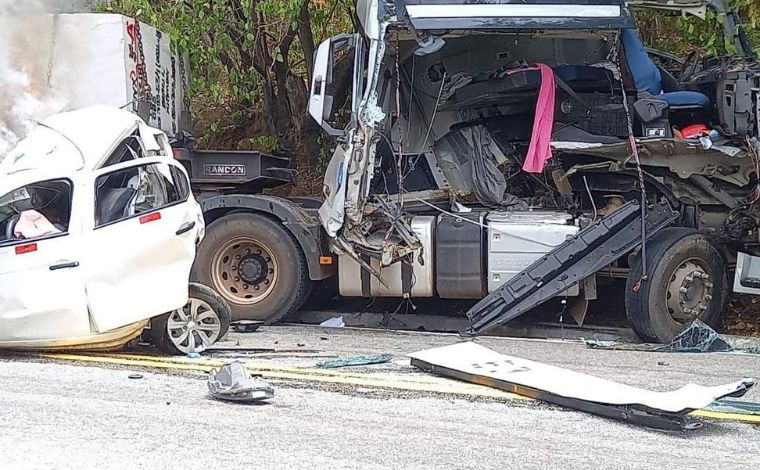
pixel 335 322
pixel 354 361
pixel 232 383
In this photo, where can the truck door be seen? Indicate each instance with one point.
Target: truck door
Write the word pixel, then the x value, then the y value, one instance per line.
pixel 141 246
pixel 321 108
pixel 42 293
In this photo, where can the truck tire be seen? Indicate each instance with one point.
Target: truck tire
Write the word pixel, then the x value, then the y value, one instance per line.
pixel 254 264
pixel 317 295
pixel 687 281
pixel 206 316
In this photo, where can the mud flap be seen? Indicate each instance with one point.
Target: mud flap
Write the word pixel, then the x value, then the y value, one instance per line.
pixel 593 248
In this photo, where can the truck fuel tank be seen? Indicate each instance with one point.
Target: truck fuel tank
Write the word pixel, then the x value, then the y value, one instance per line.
pixel 517 239
pixel 415 278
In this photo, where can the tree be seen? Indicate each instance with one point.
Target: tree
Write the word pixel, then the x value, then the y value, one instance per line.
pixel 254 56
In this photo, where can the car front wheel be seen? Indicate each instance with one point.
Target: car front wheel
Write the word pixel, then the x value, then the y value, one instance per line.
pixel 195 327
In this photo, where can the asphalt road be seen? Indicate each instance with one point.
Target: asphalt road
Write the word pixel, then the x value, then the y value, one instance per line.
pixel 74 416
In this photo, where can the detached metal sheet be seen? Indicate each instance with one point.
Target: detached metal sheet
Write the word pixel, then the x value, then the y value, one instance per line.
pixel 486 366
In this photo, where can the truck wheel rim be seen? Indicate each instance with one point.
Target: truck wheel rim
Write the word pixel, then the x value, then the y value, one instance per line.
pixel 244 271
pixel 194 327
pixel 690 291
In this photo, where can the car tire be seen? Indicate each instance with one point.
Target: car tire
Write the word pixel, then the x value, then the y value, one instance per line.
pixel 687 280
pixel 255 264
pixel 206 315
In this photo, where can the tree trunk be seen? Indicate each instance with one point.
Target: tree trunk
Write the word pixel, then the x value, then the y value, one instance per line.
pixel 306 35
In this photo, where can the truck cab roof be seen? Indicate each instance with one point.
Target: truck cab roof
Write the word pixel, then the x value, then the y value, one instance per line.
pixel 510 14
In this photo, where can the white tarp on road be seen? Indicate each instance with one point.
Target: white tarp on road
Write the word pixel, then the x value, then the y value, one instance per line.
pixel 471 358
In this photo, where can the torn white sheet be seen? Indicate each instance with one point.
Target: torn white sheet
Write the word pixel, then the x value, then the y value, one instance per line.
pixel 471 358
pixel 335 322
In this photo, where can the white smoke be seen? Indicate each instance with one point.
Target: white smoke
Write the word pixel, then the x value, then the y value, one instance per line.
pixel 28 40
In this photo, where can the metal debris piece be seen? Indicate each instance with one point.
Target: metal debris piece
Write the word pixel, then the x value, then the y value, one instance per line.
pixel 232 383
pixel 354 361
pixel 662 410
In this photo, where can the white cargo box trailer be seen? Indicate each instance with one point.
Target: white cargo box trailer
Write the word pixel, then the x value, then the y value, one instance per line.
pixel 90 59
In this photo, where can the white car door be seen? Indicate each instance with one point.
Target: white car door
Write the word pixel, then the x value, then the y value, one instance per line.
pixel 145 225
pixel 42 293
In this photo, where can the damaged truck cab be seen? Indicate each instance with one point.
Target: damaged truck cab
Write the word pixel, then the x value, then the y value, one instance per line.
pixel 483 137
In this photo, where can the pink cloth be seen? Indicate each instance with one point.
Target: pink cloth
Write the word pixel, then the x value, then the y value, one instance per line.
pixel 540 150
pixel 32 224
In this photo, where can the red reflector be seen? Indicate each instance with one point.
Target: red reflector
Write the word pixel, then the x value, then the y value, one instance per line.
pixel 177 153
pixel 30 248
pixel 150 217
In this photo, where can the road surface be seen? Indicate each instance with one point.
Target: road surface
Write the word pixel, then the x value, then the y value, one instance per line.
pixel 78 415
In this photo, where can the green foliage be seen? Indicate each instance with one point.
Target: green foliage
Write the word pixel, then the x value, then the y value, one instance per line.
pixel 252 56
pixel 683 34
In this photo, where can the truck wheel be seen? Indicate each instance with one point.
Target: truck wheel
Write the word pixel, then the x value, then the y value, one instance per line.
pixel 687 281
pixel 196 326
pixel 317 295
pixel 255 264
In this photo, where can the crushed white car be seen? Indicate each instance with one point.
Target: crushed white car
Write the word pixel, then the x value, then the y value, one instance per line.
pixel 98 232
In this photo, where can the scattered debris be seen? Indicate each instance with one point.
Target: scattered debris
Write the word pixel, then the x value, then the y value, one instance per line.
pixel 300 345
pixel 735 406
pixel 354 361
pixel 662 410
pixel 697 338
pixel 135 376
pixel 663 363
pixel 243 349
pixel 246 326
pixel 334 322
pixel 232 383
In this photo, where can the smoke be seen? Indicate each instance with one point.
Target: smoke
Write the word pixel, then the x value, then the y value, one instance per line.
pixel 29 39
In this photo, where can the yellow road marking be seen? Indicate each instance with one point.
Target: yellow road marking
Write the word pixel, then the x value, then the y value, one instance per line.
pixel 430 384
pixel 743 417
pixel 381 381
